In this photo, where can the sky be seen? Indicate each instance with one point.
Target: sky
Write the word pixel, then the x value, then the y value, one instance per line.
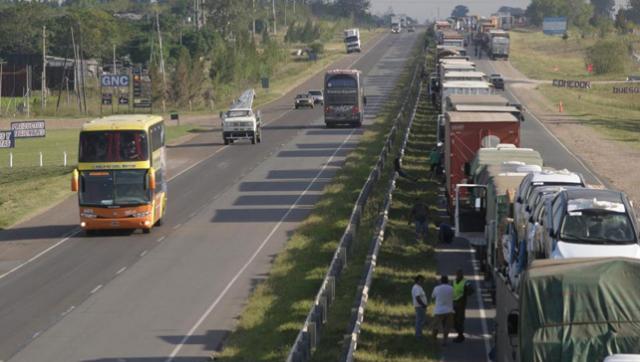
pixel 428 9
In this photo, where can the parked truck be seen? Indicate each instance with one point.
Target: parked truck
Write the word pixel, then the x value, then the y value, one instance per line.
pixel 352 40
pixel 498 44
pixel 582 309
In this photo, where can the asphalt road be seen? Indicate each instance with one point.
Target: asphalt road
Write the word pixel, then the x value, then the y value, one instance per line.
pixel 178 291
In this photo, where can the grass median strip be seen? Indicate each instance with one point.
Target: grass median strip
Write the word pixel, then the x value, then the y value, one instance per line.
pixel 278 307
pixel 387 331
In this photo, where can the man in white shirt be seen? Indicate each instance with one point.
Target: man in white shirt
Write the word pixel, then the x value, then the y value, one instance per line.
pixel 443 310
pixel 419 303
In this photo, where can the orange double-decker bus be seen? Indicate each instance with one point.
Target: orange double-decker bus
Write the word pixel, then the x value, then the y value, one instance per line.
pixel 120 179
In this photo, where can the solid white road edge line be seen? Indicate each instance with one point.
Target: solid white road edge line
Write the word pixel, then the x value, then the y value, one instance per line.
pixel 212 306
pixel 481 308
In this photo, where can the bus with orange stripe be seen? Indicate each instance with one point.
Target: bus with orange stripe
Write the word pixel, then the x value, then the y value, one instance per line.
pixel 121 175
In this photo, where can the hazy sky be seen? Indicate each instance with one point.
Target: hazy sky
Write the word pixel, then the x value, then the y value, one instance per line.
pixel 427 9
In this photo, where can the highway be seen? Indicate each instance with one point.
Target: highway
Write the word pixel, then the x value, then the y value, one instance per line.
pixel 177 292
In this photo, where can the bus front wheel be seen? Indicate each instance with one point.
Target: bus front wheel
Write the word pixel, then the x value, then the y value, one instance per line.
pixel 146 231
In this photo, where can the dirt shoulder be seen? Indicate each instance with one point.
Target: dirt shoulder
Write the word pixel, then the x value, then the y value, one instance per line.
pixel 610 159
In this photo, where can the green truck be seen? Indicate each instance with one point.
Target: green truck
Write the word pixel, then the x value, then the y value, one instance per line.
pixel 482 207
pixel 581 310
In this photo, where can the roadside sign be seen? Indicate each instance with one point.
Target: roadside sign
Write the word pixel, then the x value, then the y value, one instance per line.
pixel 554 26
pixel 123 100
pixel 7 139
pixel 114 80
pixel 29 129
pixel 107 99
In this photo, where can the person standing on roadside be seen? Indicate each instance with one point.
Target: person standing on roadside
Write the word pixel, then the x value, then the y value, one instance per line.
pixel 419 303
pixel 461 290
pixel 443 311
pixel 419 217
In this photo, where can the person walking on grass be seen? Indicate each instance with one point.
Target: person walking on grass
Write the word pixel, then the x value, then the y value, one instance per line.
pixel 419 217
pixel 434 161
pixel 443 310
pixel 419 303
pixel 462 289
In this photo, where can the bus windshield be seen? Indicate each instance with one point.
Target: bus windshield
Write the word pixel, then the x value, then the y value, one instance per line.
pixel 341 90
pixel 114 188
pixel 113 146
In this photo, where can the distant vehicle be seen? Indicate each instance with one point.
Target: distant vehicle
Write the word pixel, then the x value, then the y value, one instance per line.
pixel 241 122
pixel 352 40
pixel 317 97
pixel 633 78
pixel 396 26
pixel 411 29
pixel 303 100
pixel 121 175
pixel 344 97
pixel 497 81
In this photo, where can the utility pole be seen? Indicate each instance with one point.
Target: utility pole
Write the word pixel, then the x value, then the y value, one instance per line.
pixel 285 12
pixel 115 69
pixel 275 20
pixel 76 72
pixel 253 17
pixel 44 68
pixel 164 78
pixel 1 76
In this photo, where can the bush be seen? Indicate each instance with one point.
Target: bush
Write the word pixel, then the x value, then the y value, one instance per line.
pixel 608 56
pixel 317 48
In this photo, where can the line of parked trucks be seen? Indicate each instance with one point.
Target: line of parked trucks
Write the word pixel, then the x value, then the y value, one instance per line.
pixel 560 256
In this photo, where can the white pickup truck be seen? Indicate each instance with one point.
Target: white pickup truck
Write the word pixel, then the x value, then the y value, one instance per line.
pixel 240 121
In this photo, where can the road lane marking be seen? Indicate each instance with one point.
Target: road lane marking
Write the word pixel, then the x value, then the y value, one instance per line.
pixel 18 267
pixel 68 310
pixel 121 270
pixel 177 227
pixel 76 231
pixel 96 289
pixel 575 157
pixel 212 306
pixel 481 307
pixel 144 253
pixel 160 239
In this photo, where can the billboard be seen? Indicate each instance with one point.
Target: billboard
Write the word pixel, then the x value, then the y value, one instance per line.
pixel 554 26
pixel 29 129
pixel 7 139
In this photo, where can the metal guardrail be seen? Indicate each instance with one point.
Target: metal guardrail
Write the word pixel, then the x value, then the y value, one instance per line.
pixel 372 257
pixel 309 335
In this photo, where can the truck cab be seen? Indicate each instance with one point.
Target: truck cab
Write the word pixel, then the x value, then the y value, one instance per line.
pixel 352 40
pixel 241 122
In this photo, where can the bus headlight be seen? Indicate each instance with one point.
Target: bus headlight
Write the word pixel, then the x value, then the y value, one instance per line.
pixel 141 214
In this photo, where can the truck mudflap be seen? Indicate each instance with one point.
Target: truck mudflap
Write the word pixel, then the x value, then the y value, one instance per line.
pixel 470 218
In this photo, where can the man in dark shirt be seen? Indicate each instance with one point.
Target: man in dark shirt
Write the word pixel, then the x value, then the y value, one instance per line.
pixel 419 217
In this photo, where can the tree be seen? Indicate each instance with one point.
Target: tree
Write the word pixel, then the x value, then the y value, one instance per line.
pixel 459 11
pixel 603 8
pixel 352 8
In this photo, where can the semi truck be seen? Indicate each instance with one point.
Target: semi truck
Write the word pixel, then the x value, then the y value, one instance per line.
pixel 241 122
pixel 396 25
pixel 498 44
pixel 352 40
pixel 581 309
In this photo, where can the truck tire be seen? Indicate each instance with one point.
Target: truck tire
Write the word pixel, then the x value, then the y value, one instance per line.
pixel 254 139
pixel 146 231
pixel 226 141
pixel 260 137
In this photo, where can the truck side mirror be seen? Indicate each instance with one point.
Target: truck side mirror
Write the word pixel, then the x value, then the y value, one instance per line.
pixel 74 180
pixel 512 324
